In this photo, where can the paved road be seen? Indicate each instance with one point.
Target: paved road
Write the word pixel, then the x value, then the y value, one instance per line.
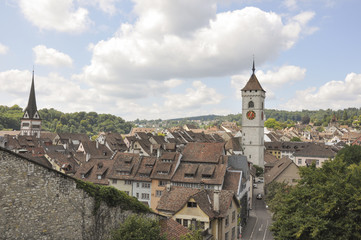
pixel 259 220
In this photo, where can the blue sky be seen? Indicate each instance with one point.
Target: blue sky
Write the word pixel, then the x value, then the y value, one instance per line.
pixel 179 58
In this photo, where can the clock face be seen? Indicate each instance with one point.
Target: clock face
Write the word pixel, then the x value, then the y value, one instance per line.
pixel 251 115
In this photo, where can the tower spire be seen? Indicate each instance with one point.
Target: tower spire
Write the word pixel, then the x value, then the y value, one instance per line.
pixel 31 121
pixel 253 68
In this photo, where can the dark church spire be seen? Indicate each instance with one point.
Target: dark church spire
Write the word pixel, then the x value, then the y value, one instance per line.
pixel 31 109
pixel 253 68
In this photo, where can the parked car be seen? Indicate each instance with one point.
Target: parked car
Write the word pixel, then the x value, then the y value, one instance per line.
pixel 259 196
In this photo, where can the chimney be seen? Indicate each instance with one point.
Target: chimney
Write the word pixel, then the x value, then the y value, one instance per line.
pixel 97 144
pixel 216 200
pixel 168 187
pixel 151 149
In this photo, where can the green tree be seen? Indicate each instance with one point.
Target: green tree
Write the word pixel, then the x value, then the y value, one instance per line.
pixel 305 119
pixel 138 227
pixel 325 204
pixel 195 234
pixel 296 139
pixel 272 123
pixel 259 170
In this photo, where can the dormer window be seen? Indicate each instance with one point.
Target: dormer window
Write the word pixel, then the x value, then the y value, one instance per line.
pixel 192 204
pixel 206 176
pixel 188 175
pixel 99 177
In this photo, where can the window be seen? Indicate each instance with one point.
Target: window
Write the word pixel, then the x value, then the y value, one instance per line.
pixel 82 175
pixel 185 222
pixel 158 193
pixel 114 181
pixel 251 104
pixel 145 195
pixel 145 185
pixel 233 216
pixel 226 236
pixel 233 233
pixel 137 195
pixel 137 184
pixel 227 221
pixel 179 220
pixel 127 192
pixel 317 162
pixel 192 204
pixel 299 161
pixel 162 183
pixel 128 182
pixel 99 176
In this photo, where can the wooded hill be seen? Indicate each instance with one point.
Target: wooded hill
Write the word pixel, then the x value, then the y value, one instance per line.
pixel 92 123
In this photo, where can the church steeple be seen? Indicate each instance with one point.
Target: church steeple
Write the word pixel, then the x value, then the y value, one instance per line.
pixel 253 68
pixel 253 83
pixel 31 121
pixel 31 111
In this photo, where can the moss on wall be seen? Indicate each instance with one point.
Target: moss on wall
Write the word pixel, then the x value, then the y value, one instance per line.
pixel 112 197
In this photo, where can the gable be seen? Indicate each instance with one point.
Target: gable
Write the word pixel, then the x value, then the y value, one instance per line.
pixel 192 212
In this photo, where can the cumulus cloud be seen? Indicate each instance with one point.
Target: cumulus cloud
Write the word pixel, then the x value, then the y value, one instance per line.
pixel 180 17
pixel 61 16
pixel 194 97
pixel 161 45
pixel 3 49
pixel 51 56
pixel 333 94
pixel 271 79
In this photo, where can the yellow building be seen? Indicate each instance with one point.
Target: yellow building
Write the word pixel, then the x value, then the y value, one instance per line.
pixel 214 211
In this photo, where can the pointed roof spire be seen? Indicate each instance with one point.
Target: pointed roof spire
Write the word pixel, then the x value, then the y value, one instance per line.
pixel 253 83
pixel 31 109
pixel 253 68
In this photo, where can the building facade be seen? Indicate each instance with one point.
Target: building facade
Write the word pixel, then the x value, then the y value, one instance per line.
pixel 253 99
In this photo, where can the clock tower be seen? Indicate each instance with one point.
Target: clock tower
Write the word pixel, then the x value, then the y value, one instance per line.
pixel 253 97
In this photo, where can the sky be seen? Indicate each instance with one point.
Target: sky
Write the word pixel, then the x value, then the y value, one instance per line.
pixel 141 59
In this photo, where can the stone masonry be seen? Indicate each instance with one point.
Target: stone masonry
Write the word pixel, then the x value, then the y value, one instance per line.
pixel 37 202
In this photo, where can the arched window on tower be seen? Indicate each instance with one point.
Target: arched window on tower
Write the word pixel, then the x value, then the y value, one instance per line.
pixel 251 104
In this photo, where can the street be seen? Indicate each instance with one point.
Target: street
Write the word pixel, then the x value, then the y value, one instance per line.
pixel 259 220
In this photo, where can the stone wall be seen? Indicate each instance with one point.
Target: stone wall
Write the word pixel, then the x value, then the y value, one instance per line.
pixel 40 203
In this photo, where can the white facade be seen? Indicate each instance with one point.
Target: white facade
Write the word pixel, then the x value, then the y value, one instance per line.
pixel 31 127
pixel 253 122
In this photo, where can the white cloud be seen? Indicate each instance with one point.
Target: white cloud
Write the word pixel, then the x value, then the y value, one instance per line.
pixel 180 17
pixel 57 15
pixel 164 47
pixel 194 97
pixel 3 49
pixel 107 6
pixel 333 94
pixel 51 56
pixel 270 80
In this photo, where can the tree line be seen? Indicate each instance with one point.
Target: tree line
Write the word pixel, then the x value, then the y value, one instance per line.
pixel 90 123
